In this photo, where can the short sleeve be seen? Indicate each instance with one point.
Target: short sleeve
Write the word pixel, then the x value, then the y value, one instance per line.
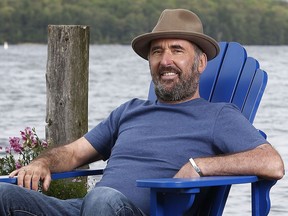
pixel 103 136
pixel 234 133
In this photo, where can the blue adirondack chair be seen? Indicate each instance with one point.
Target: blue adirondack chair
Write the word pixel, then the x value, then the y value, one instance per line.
pixel 230 77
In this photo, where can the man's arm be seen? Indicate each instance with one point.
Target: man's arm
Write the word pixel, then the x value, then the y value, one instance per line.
pixel 59 159
pixel 263 161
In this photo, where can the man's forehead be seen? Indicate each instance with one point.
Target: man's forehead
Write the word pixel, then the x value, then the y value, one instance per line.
pixel 170 43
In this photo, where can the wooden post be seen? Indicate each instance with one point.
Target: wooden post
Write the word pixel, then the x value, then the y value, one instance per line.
pixel 67 83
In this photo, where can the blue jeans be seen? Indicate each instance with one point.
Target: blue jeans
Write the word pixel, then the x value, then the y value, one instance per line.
pixel 18 201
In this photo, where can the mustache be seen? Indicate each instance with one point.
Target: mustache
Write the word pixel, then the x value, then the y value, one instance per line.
pixel 164 69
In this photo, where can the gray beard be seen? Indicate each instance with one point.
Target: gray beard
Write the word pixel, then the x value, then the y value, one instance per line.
pixel 184 89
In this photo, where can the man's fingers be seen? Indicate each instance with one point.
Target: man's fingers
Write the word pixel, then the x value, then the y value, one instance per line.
pixel 28 179
pixel 14 173
pixel 35 180
pixel 21 175
pixel 31 175
pixel 46 182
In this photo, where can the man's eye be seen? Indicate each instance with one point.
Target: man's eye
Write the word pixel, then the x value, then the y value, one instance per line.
pixel 156 52
pixel 178 51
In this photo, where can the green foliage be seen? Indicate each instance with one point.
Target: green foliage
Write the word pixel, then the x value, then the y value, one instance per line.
pixel 24 149
pixel 118 21
pixel 68 188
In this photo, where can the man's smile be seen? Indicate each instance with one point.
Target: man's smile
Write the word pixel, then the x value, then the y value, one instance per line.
pixel 166 76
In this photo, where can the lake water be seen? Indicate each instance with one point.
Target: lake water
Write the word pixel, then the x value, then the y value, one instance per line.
pixel 117 75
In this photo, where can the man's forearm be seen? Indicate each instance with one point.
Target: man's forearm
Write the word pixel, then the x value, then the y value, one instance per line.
pixel 56 159
pixel 262 161
pixel 70 156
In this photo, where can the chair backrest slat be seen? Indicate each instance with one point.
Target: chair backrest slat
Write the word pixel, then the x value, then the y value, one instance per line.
pixel 245 81
pixel 209 77
pixel 255 94
pixel 151 93
pixel 229 73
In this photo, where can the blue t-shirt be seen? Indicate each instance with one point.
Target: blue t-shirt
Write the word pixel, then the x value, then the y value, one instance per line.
pixel 144 139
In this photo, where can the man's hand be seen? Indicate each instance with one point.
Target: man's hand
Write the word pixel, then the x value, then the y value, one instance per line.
pixel 58 159
pixel 29 176
pixel 186 171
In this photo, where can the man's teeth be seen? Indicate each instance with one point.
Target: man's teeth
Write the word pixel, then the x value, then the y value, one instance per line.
pixel 169 74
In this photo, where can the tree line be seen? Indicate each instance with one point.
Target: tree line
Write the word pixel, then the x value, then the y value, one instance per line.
pixel 257 22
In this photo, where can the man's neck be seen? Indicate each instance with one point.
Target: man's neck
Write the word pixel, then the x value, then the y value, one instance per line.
pixel 195 96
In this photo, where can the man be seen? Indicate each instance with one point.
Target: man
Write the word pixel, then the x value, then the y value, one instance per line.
pixel 152 139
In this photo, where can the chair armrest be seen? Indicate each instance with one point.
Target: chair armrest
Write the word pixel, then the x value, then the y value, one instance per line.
pixel 166 193
pixel 7 179
pixel 178 183
pixel 61 175
pixel 76 173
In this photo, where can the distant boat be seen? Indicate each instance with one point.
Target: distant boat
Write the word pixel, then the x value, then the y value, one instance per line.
pixel 5 45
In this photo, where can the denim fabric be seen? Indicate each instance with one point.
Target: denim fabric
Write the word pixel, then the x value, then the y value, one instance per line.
pixel 18 201
pixel 108 201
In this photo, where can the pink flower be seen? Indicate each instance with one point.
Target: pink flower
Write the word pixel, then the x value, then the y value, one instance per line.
pixel 8 150
pixel 26 148
pixel 44 144
pixel 18 165
pixel 23 135
pixel 27 133
pixel 15 144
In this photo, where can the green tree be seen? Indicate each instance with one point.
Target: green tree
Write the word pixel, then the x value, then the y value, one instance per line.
pixel 118 21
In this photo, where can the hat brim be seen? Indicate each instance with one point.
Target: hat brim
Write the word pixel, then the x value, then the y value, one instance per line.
pixel 141 44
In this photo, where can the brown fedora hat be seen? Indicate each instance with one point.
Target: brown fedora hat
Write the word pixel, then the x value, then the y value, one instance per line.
pixel 177 24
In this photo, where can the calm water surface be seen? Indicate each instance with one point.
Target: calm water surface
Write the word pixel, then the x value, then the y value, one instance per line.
pixel 117 75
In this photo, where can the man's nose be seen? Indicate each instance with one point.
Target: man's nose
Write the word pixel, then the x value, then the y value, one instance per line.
pixel 166 59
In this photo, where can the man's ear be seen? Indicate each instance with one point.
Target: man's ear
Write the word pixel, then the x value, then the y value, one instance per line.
pixel 202 63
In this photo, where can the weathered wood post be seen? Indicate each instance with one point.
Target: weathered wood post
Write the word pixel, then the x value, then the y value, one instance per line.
pixel 67 83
